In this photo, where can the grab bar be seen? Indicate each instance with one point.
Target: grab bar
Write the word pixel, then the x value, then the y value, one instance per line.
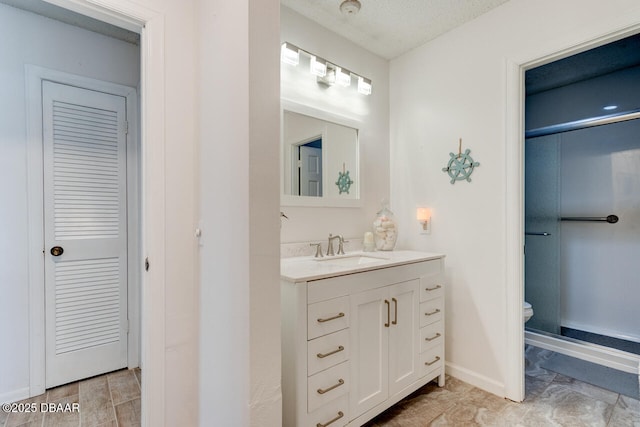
pixel 611 219
pixel 543 233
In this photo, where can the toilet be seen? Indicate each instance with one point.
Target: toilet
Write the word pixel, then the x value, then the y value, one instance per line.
pixel 528 311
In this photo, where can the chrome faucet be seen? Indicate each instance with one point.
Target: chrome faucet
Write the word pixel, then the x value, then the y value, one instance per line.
pixel 340 245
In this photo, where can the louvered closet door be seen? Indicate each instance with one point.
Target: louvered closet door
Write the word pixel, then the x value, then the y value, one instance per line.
pixel 84 144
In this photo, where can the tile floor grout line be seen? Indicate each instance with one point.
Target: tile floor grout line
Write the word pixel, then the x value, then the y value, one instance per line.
pixel 113 406
pixel 137 380
pixel 613 410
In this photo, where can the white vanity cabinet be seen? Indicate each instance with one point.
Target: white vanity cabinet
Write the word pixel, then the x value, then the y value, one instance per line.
pixel 357 340
pixel 385 343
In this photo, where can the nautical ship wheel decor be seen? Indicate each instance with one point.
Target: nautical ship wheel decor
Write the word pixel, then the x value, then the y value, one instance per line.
pixel 460 165
pixel 344 181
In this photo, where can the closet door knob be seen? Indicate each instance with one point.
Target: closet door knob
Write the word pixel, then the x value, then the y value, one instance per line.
pixel 57 251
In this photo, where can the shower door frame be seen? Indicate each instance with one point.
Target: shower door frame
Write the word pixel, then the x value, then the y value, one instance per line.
pixel 577 41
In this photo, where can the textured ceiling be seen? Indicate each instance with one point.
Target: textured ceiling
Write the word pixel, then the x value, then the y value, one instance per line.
pixel 390 28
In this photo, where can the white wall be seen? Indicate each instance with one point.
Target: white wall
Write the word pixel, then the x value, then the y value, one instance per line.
pixel 181 197
pixel 455 87
pixel 371 112
pixel 238 102
pixel 31 39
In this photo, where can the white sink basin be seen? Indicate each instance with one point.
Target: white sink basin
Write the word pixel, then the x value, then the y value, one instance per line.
pixel 351 260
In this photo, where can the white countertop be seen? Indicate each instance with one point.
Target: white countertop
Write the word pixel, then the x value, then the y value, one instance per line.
pixel 306 268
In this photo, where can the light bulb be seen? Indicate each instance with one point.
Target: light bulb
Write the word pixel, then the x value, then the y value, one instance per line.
pixel 343 77
pixel 318 66
pixel 290 54
pixel 364 86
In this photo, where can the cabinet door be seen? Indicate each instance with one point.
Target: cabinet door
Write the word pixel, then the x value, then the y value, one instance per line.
pixel 370 312
pixel 404 335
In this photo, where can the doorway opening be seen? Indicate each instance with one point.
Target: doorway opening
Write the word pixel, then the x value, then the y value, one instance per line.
pixel 308 157
pixel 582 211
pixel 150 30
pixel 83 192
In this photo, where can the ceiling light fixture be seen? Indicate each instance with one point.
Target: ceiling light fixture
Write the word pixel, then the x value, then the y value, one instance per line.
pixel 350 7
pixel 327 73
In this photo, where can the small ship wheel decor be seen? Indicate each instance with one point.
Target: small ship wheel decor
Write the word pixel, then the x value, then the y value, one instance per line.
pixel 344 181
pixel 461 165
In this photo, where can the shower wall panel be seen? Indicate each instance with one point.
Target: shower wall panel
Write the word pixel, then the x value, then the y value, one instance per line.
pixel 599 262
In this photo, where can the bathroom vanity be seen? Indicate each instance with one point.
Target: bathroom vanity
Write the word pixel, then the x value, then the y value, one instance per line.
pixel 359 333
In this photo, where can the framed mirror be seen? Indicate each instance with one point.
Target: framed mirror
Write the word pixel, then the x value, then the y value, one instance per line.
pixel 320 158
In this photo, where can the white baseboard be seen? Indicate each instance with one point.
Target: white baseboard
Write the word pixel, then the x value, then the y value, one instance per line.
pixel 14 396
pixel 605 356
pixel 475 379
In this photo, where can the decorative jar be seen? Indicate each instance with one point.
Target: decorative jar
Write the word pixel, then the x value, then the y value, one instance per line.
pixel 385 231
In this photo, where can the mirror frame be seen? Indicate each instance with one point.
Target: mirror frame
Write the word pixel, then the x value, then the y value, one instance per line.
pixel 309 201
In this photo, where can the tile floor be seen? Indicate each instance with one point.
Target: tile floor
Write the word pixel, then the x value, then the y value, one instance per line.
pixel 110 400
pixel 551 400
pixel 113 400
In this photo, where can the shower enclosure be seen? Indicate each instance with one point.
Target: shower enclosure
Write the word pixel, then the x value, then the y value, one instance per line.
pixel 582 225
pixel 582 198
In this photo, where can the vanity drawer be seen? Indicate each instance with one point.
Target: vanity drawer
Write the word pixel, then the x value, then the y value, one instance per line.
pixel 327 351
pixel 431 311
pixel 327 316
pixel 327 385
pixel 431 336
pixel 431 360
pixel 431 287
pixel 333 414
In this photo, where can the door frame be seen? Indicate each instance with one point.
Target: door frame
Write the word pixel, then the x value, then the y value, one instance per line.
pixel 515 66
pixel 150 25
pixel 34 77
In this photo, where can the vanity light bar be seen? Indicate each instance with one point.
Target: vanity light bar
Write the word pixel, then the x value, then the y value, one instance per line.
pixel 327 72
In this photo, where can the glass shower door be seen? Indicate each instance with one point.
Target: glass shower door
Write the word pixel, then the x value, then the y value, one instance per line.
pixel 542 239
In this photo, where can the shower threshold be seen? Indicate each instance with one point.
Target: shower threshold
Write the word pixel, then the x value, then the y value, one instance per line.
pixel 604 340
pixel 613 358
